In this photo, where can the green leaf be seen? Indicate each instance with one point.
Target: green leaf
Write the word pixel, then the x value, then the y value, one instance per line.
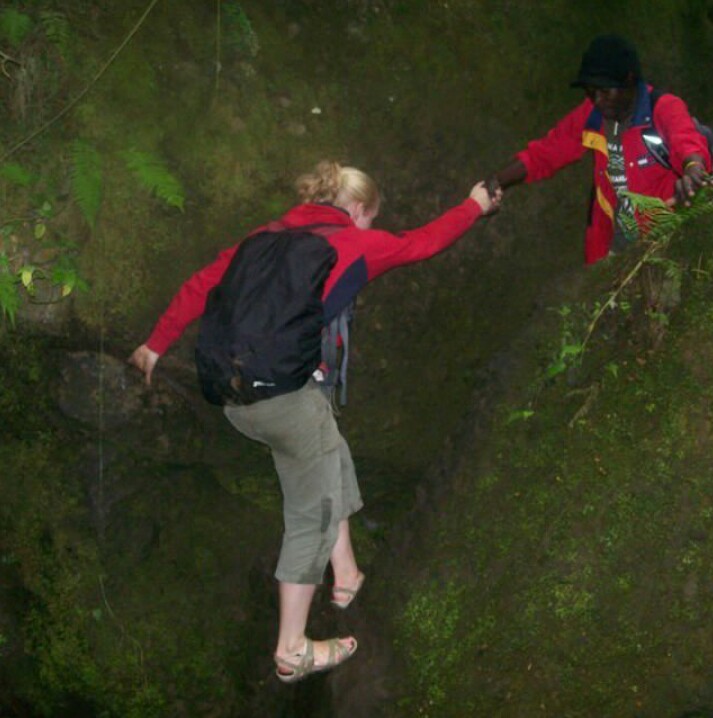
pixel 646 203
pixel 238 30
pixel 9 298
pixel 519 415
pixel 40 230
pixel 16 174
pixel 26 274
pixel 87 179
pixel 65 275
pixel 571 350
pixel 14 26
pixel 155 177
pixel 554 369
pixel 56 28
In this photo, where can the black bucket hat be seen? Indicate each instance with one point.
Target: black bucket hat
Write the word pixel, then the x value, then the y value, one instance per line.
pixel 608 61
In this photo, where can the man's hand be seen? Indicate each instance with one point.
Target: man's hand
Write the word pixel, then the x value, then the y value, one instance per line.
pixel 492 184
pixel 694 177
pixel 512 174
pixel 145 360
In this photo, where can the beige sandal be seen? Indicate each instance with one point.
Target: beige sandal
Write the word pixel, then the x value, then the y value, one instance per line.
pixel 293 671
pixel 349 592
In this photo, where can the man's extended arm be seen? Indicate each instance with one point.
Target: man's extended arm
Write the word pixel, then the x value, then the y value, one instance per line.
pixel 510 175
pixel 545 156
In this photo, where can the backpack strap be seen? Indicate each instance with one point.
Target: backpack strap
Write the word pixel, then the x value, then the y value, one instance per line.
pixel 701 128
pixel 323 230
pixel 334 371
pixel 651 137
pixel 343 322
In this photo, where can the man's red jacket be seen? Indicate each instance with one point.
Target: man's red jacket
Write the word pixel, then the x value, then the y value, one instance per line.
pixel 362 255
pixel 582 130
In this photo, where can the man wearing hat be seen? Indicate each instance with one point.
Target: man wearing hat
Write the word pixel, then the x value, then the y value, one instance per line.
pixel 618 111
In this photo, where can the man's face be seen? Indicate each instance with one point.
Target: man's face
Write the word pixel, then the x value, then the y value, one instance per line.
pixel 615 103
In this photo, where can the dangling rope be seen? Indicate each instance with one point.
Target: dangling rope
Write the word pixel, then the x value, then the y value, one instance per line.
pixel 100 457
pixel 218 66
pixel 102 263
pixel 93 82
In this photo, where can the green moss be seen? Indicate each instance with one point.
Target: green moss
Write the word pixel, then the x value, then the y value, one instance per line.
pixel 588 540
pixel 574 568
pixel 431 643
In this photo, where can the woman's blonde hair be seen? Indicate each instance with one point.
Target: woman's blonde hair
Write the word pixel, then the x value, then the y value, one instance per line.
pixel 330 182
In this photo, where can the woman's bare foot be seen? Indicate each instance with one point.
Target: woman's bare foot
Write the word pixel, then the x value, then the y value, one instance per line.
pixel 314 657
pixel 345 591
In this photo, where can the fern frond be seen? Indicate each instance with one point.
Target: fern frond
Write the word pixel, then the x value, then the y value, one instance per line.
pixel 14 26
pixel 644 203
pixel 658 222
pixel 66 275
pixel 9 297
pixel 56 28
pixel 631 226
pixel 16 174
pixel 239 32
pixel 155 177
pixel 702 204
pixel 87 179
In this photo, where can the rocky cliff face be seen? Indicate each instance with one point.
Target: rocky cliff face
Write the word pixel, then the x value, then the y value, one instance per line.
pixel 533 546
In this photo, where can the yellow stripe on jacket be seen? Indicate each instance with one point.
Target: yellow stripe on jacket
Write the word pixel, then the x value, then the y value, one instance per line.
pixel 597 142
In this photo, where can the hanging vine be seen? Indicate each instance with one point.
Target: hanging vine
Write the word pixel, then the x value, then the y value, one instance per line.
pixel 19 273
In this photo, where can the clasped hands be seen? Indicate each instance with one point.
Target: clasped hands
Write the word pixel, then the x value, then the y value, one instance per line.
pixel 488 198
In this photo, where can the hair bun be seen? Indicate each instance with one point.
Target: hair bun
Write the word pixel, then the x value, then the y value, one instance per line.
pixel 321 185
pixel 332 183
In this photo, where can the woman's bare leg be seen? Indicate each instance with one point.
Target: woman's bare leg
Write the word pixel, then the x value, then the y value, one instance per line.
pixel 344 565
pixel 295 601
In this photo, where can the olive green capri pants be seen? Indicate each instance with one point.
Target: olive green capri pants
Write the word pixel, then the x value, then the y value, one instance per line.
pixel 316 471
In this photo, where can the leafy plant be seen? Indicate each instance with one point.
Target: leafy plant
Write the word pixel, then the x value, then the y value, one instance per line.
pixel 155 176
pixel 16 174
pixel 56 27
pixel 657 225
pixel 18 275
pixel 14 26
pixel 570 350
pixel 239 32
pixel 9 298
pixel 87 183
pixel 655 228
pixel 66 275
pixel 519 415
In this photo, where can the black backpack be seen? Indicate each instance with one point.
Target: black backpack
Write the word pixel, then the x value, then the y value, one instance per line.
pixel 656 145
pixel 261 332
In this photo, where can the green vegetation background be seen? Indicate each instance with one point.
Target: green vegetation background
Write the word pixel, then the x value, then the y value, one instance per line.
pixel 551 566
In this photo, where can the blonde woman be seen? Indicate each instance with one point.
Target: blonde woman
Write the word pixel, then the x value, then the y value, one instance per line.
pixel 312 459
